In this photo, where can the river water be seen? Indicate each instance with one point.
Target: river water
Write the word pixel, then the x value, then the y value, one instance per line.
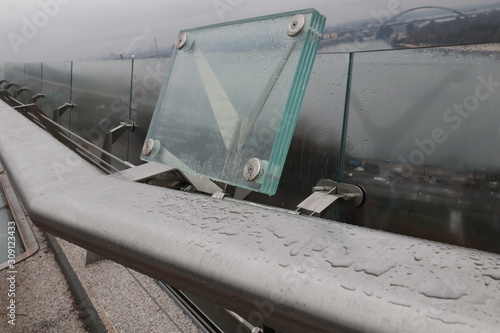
pixel 365 45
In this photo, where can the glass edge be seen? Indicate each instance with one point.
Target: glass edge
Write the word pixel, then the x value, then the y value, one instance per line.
pixel 156 112
pixel 252 19
pixel 294 103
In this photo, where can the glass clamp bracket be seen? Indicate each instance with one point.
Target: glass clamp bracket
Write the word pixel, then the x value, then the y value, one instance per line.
pixel 10 84
pixel 36 97
pixel 19 91
pixel 230 101
pixel 60 110
pixel 112 136
pixel 328 192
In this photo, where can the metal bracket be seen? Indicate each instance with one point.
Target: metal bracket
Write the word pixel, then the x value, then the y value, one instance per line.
pixel 163 175
pixel 60 111
pixel 219 195
pixel 113 135
pixel 8 85
pixel 144 172
pixel 36 97
pixel 19 91
pixel 241 193
pixel 327 192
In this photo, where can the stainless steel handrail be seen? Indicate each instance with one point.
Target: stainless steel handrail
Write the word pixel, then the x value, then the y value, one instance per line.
pixel 23 228
pixel 294 273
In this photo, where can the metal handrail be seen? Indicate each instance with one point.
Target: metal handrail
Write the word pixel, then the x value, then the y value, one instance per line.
pixel 102 162
pixel 293 273
pixel 26 235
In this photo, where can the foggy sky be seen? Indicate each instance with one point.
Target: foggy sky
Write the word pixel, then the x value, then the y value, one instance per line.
pixel 55 30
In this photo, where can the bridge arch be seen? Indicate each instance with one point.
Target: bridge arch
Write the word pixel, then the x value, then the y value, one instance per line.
pixel 459 13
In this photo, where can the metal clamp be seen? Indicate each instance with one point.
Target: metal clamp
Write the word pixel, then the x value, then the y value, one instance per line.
pixel 36 97
pixel 19 91
pixel 327 192
pixel 113 135
pixel 60 110
pixel 219 195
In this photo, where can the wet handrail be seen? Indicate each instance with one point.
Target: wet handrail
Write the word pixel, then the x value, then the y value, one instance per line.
pixel 293 273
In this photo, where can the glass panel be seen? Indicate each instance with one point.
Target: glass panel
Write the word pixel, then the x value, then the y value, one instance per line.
pixel 233 94
pixel 33 82
pixel 423 139
pixel 149 75
pixel 101 94
pixel 2 72
pixel 57 89
pixel 314 150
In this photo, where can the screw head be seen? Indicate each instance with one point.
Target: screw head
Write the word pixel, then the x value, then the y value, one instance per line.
pixel 148 147
pixel 181 41
pixel 295 25
pixel 252 169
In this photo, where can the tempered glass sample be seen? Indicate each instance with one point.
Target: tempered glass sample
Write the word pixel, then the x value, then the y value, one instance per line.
pixel 33 82
pixel 57 90
pixel 233 93
pixel 101 94
pixel 148 78
pixel 423 139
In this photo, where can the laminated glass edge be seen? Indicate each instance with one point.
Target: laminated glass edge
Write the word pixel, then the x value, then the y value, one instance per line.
pixel 157 110
pixel 253 19
pixel 293 104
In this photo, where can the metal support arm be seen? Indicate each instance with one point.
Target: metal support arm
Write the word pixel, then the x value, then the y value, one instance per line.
pixel 60 111
pixel 19 91
pixel 113 135
pixel 328 192
pixel 37 97
pixel 10 84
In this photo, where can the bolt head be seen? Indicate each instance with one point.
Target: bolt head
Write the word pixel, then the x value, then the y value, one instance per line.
pixel 181 41
pixel 252 169
pixel 148 147
pixel 295 25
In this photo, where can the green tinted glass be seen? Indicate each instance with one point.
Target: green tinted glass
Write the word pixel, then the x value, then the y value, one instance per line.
pixel 423 141
pixel 233 94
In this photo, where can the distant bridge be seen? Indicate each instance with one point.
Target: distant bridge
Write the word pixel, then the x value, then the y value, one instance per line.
pixel 381 30
pixel 459 13
pixel 392 21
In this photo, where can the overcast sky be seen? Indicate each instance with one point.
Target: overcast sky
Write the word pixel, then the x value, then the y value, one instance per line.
pixel 54 30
